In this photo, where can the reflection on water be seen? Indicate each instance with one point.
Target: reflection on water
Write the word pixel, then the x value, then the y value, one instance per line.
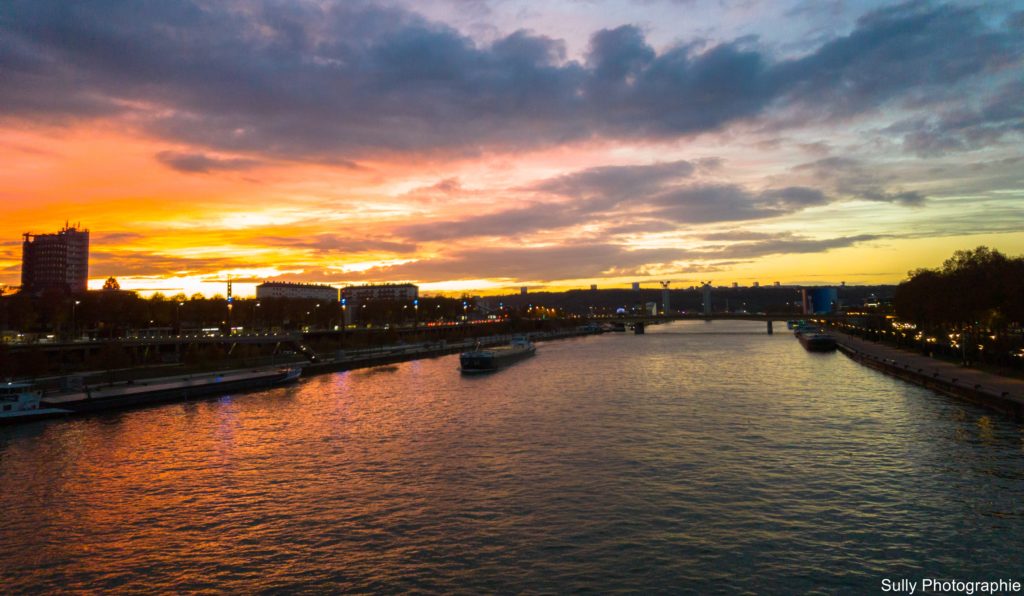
pixel 387 368
pixel 697 457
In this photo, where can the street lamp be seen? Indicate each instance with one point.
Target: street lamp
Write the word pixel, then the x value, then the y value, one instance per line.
pixel 74 308
pixel 416 313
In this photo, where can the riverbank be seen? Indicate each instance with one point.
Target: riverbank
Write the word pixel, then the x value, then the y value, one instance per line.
pixel 182 386
pixel 1003 394
pixel 352 359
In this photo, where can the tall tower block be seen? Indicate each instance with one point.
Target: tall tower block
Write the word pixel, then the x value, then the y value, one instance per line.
pixel 55 261
pixel 706 287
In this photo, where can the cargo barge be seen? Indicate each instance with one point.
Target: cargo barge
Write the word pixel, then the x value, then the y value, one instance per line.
pixel 817 342
pixel 813 339
pixel 170 389
pixel 492 359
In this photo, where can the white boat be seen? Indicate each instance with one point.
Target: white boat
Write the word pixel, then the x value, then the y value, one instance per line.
pixel 19 401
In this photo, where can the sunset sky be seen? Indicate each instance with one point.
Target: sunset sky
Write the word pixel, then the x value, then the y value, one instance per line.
pixel 485 145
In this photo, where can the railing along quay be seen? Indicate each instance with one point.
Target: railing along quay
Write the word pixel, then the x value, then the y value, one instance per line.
pixel 987 389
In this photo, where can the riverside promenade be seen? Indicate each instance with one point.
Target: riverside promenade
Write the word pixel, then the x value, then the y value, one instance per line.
pixel 1001 393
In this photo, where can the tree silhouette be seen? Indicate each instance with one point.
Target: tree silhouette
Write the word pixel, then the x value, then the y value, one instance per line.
pixel 973 288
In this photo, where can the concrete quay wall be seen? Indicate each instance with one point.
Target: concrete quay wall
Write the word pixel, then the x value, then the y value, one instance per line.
pixel 998 393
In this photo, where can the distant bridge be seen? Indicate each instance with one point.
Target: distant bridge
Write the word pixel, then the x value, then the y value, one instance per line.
pixel 643 320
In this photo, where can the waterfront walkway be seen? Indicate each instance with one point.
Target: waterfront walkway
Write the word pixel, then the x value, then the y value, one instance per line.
pixel 1003 393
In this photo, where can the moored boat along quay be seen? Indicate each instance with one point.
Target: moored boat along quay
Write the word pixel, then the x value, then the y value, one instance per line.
pixel 353 359
pixel 997 392
pixel 145 391
pixel 152 391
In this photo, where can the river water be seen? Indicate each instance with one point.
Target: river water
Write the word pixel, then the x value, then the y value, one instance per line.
pixel 701 457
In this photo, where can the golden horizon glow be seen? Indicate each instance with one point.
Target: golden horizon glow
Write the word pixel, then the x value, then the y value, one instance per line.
pixel 478 182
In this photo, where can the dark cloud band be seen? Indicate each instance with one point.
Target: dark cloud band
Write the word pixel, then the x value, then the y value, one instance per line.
pixel 340 81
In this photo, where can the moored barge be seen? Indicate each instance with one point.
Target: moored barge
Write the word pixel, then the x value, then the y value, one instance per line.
pixel 171 389
pixel 816 342
pixel 482 360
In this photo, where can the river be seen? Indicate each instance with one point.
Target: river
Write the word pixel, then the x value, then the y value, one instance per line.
pixel 700 457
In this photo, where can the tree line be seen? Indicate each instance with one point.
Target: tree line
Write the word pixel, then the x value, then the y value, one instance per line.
pixel 970 309
pixel 973 289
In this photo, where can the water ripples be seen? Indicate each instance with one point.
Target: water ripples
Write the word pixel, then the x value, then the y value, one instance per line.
pixel 684 460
